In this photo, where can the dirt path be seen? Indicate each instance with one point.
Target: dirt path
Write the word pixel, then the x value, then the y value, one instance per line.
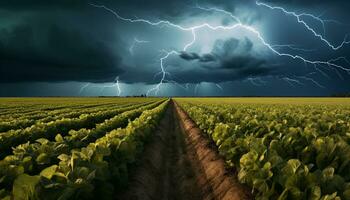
pixel 180 165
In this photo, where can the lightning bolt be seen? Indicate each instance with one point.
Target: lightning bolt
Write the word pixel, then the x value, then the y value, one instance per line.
pixel 135 42
pixel 118 86
pixel 344 59
pixel 269 46
pixel 114 85
pixel 178 84
pixel 237 26
pixel 320 71
pixel 83 88
pixel 312 80
pixel 256 81
pixel 163 72
pixel 219 86
pixel 290 81
pixel 292 47
pixel 196 88
pixel 335 22
pixel 307 26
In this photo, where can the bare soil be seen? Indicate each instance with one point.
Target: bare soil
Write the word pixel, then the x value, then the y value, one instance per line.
pixel 180 163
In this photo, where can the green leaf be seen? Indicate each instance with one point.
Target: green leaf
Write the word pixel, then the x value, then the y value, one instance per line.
pixel 91 176
pixel 27 159
pixel 328 173
pixel 24 187
pixel 315 193
pixel 267 166
pixel 82 172
pixel 292 166
pixel 292 181
pixel 59 138
pixel 331 197
pixel 43 158
pixel 63 157
pixel 49 171
pixel 43 141
pixel 296 193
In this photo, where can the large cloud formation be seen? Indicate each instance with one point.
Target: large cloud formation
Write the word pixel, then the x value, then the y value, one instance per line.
pixel 61 55
pixel 73 41
pixel 54 42
pixel 229 60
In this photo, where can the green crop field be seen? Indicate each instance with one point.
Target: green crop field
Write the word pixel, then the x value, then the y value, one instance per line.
pixel 282 148
pixel 59 148
pixel 88 148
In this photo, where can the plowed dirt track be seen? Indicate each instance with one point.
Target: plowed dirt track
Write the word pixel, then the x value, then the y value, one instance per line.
pixel 181 163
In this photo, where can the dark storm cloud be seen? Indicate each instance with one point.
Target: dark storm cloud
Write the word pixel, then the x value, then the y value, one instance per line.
pixel 222 75
pixel 157 8
pixel 57 55
pixel 309 2
pixel 207 58
pixel 41 4
pixel 49 41
pixel 70 40
pixel 241 62
pixel 229 60
pixel 170 8
pixel 194 56
pixel 234 54
pixel 189 56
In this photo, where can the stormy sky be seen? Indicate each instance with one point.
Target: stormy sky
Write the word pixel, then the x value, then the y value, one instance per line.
pixel 168 48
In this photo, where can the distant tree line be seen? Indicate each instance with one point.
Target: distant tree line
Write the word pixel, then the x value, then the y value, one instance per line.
pixel 341 95
pixel 141 95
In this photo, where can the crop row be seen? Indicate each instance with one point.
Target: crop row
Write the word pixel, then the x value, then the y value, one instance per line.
pixel 63 126
pixel 31 158
pixel 40 111
pixel 20 110
pixel 280 151
pixel 42 117
pixel 95 170
pixel 13 108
